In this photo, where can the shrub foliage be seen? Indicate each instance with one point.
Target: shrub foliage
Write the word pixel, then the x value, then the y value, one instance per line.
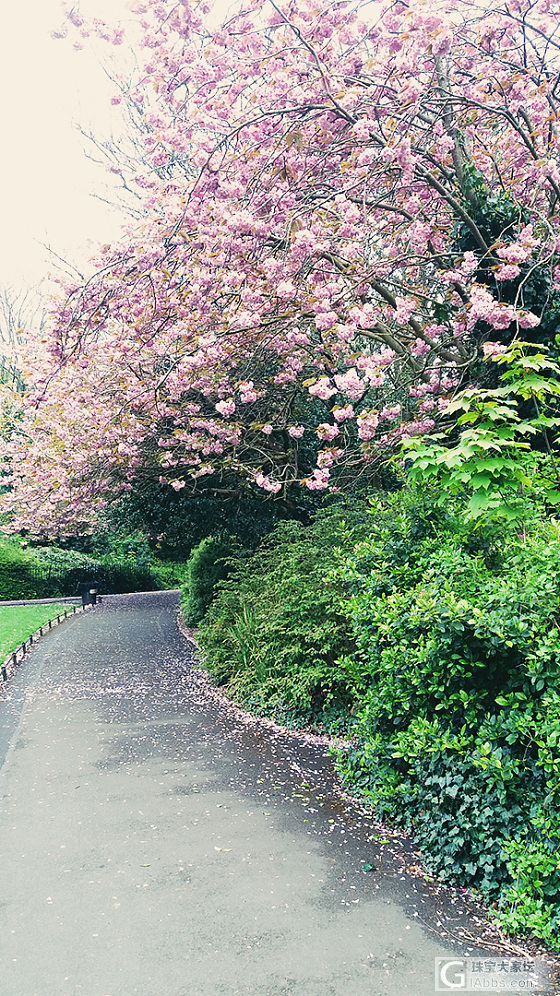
pixel 48 572
pixel 209 562
pixel 436 639
pixel 457 674
pixel 275 630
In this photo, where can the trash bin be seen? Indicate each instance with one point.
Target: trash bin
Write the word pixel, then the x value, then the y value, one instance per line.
pixel 88 591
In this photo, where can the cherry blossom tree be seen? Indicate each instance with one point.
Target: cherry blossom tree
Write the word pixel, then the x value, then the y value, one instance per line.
pixel 372 195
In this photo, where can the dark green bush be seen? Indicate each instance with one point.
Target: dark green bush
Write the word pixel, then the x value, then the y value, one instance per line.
pixel 275 630
pixel 49 572
pixel 209 562
pixel 176 522
pixel 17 577
pixel 443 641
pixel 457 670
pixel 62 570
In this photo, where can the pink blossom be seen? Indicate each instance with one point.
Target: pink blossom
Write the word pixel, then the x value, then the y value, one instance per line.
pixel 247 392
pixel 527 320
pixel 494 349
pixel 267 484
pixel 297 337
pixel 520 250
pixel 418 428
pixel 420 235
pixel 363 316
pixel 225 408
pixel 319 481
pixel 326 458
pixel 463 270
pixel 405 308
pixel 506 272
pixel 390 412
pixel 361 130
pixel 442 42
pixel 365 159
pixel 350 384
pixel 325 320
pixel 202 471
pixel 342 414
pixel 327 432
pixel 285 289
pixel 305 243
pixel 367 424
pixel 278 252
pixel 427 406
pixel 419 348
pixel 513 253
pixel 322 389
pixel 245 320
pixel 484 307
pixel 75 17
pixel 296 431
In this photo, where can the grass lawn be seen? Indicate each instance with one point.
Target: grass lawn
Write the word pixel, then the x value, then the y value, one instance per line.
pixel 18 622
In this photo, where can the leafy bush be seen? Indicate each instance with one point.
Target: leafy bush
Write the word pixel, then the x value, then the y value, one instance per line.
pixel 168 574
pixel 17 578
pixel 62 570
pixel 442 637
pixel 457 672
pixel 47 572
pixel 275 630
pixel 209 562
pixel 490 453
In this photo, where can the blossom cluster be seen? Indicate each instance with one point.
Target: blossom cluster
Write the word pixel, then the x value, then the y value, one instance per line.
pixel 302 280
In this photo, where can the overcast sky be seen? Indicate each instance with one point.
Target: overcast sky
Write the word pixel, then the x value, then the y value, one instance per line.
pixel 46 181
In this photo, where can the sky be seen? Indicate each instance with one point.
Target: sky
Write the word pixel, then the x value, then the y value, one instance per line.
pixel 46 181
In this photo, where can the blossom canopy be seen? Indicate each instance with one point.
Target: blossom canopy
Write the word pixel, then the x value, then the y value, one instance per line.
pixel 346 202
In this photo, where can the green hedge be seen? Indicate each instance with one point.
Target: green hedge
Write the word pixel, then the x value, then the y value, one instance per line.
pixel 210 562
pixel 49 572
pixel 457 676
pixel 274 631
pixel 440 641
pixel 17 579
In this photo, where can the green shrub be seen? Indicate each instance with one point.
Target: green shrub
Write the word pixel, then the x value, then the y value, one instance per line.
pixel 209 562
pixel 49 572
pixel 169 574
pixel 276 627
pixel 18 579
pixel 443 639
pixel 457 671
pixel 63 570
pixel 532 901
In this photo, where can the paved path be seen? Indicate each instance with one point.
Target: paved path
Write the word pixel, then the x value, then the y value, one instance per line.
pixel 153 844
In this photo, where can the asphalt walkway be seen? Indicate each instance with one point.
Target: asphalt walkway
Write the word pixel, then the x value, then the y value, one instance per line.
pixel 153 843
